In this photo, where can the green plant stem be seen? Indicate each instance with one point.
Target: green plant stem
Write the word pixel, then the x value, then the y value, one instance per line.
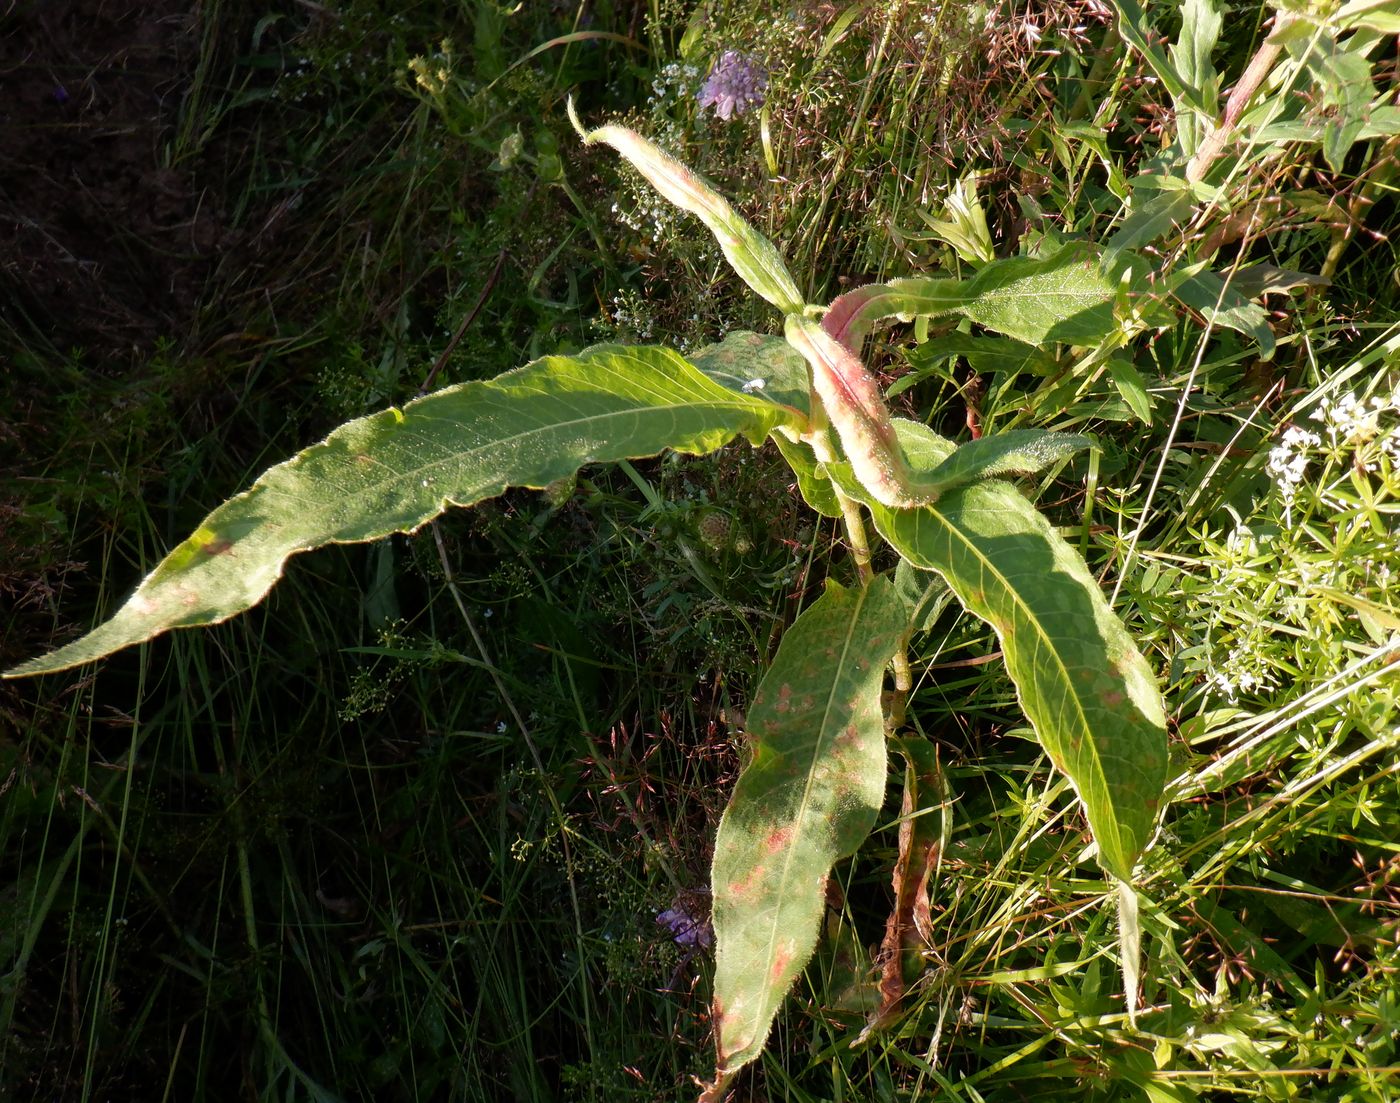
pixel 850 512
pixel 860 550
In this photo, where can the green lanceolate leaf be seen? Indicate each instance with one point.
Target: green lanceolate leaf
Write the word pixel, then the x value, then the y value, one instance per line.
pixel 770 368
pixel 753 257
pixel 1088 693
pixel 760 365
pixel 1154 215
pixel 397 470
pixel 1221 304
pixel 808 797
pixel 1018 452
pixel 1190 54
pixel 1065 297
pixel 812 483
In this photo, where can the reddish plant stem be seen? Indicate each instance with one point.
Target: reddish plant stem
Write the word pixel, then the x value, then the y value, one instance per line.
pixel 1254 75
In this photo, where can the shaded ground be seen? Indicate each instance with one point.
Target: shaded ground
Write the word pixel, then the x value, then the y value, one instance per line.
pixel 105 239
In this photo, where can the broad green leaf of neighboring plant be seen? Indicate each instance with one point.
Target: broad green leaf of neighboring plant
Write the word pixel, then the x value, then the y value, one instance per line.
pixel 396 470
pixel 1065 297
pixel 1222 305
pixel 1088 693
pixel 753 257
pixel 808 797
pixel 1155 214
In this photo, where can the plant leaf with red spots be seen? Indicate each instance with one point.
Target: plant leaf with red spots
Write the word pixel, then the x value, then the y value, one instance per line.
pixel 396 470
pixel 807 798
pixel 1089 694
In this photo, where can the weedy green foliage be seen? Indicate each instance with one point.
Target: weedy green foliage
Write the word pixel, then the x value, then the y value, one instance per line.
pixel 807 794
pixel 810 792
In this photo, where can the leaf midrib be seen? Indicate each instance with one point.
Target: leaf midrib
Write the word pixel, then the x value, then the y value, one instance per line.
pixel 837 679
pixel 1046 640
pixel 760 409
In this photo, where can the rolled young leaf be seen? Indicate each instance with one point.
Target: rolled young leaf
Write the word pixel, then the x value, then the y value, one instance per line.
pixel 807 798
pixel 856 410
pixel 753 257
pixel 396 470
pixel 1089 694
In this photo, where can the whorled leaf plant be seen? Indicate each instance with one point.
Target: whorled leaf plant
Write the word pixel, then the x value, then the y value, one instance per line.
pixel 816 736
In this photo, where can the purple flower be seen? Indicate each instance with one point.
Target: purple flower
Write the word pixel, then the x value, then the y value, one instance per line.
pixel 685 928
pixel 735 84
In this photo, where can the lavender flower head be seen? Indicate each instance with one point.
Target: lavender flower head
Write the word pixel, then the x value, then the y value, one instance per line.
pixel 686 929
pixel 735 84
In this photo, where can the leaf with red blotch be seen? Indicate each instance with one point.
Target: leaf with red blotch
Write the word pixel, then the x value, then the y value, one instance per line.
pixel 807 798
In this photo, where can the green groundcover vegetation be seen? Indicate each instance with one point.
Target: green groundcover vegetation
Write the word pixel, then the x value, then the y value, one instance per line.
pixel 925 627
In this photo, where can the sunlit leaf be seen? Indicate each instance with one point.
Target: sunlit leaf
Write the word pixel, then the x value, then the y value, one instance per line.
pixel 396 470
pixel 760 365
pixel 753 257
pixel 1190 54
pixel 1018 452
pixel 1065 297
pixel 812 483
pixel 1089 694
pixel 1221 304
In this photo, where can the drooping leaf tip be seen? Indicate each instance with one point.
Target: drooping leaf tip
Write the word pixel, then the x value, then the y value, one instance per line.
pixel 584 134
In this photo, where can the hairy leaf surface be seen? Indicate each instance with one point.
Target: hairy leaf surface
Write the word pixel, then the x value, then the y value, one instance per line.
pixel 1089 694
pixel 1064 297
pixel 753 257
pixel 760 365
pixel 396 470
pixel 807 798
pixel 1018 452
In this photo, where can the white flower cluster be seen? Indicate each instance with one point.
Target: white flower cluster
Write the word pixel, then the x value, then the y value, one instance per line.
pixel 1351 422
pixel 1288 461
pixel 648 213
pixel 629 315
pixel 1242 672
pixel 672 84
